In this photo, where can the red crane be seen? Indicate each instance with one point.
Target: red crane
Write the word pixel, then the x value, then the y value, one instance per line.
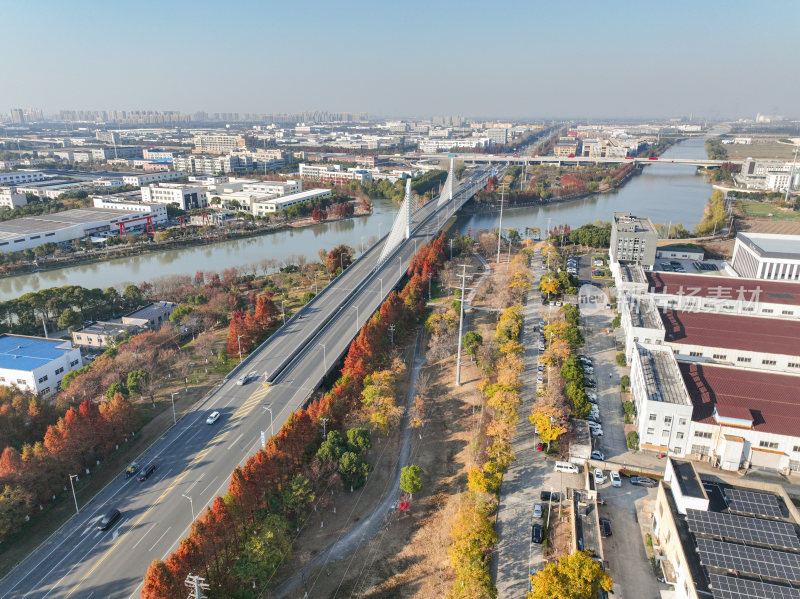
pixel 148 227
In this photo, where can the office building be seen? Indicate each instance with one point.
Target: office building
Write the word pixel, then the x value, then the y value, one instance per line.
pixel 36 364
pixel 332 173
pixel 767 256
pixel 498 135
pixel 20 177
pixel 186 197
pixel 634 239
pixel 218 144
pixel 214 165
pixel 264 207
pixel 140 180
pixel 566 146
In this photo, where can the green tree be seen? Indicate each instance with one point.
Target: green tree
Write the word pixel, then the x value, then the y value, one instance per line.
pixel 359 440
pixel 624 382
pixel 353 469
pixel 263 551
pixel 297 495
pixel 15 505
pixel 411 479
pixel 132 295
pixel 332 448
pixel 179 313
pixel 115 388
pixel 633 440
pixel 621 361
pixel 573 576
pixel 472 342
pixel 137 380
pixel 69 319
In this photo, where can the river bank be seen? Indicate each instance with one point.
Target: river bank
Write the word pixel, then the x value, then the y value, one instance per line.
pixel 202 238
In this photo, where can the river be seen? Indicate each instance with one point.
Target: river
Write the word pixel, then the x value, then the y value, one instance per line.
pixel 666 193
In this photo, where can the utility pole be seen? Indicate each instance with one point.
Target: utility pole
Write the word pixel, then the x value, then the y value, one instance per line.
pixel 788 187
pixel 500 224
pixel 391 334
pixel 463 277
pixel 196 586
pixel 324 423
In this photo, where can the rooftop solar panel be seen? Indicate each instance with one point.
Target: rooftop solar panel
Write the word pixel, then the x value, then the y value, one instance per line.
pixel 730 587
pixel 777 565
pixel 742 528
pixel 749 502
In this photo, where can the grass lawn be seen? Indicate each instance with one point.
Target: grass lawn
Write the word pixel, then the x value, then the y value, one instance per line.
pixel 764 210
pixel 770 150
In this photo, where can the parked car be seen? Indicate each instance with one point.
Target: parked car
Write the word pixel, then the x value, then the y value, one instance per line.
pixel 598 455
pixel 605 527
pixel 591 383
pixel 616 481
pixel 145 474
pixel 537 533
pixel 108 520
pixel 213 417
pixel 588 370
pixel 241 380
pixel 643 481
pixel 591 396
pixel 594 418
pixel 537 510
pixel 549 496
pixel 596 431
pixel 540 369
pixel 599 477
pixel 540 379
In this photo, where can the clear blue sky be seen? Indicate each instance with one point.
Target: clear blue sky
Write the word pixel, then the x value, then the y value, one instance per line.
pixel 528 59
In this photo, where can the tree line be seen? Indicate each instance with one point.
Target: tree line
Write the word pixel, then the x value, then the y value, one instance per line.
pixel 240 541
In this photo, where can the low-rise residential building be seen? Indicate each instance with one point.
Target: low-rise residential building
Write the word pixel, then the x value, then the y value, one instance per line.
pixel 634 239
pixel 36 364
pixel 150 317
pixel 767 256
pixel 11 198
pixel 187 197
pixel 147 179
pixel 101 334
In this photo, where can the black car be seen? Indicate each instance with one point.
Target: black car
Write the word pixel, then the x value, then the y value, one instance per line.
pixel 549 496
pixel 605 527
pixel 536 533
pixel 591 383
pixel 108 520
pixel 147 472
pixel 643 481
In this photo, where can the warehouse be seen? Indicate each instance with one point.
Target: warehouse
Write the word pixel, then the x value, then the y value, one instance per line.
pixel 36 364
pixel 59 227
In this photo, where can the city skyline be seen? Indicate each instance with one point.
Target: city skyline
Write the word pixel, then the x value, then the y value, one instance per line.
pixel 531 61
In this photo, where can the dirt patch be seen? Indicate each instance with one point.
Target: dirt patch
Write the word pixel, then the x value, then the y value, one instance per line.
pixel 559 535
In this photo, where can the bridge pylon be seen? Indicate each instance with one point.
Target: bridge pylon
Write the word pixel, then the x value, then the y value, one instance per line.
pixel 401 228
pixel 447 189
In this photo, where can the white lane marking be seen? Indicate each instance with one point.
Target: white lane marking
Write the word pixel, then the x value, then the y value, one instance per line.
pixel 199 478
pixel 164 475
pixel 135 591
pixel 235 441
pixel 152 526
pixel 159 538
pixel 208 485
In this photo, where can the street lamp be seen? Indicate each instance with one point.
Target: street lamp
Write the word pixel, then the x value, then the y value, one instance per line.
pixel 356 307
pixel 239 343
pixel 324 359
pixel 75 497
pixel 268 408
pixel 316 289
pixel 381 280
pixel 172 397
pixel 191 504
pixel 283 312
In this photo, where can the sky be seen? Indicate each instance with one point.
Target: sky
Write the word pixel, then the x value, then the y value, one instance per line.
pixel 527 59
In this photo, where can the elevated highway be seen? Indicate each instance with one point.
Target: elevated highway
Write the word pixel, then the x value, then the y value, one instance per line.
pixel 195 459
pixel 511 159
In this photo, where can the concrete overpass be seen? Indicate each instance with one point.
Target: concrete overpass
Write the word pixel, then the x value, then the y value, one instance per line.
pixel 511 159
pixel 195 460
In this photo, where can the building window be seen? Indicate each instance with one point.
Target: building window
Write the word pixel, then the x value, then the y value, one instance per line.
pixel 667 419
pixel 43 379
pixel 793 365
pixel 701 450
pixel 665 432
pixel 747 309
pixel 720 356
pixel 679 436
pixel 682 421
pixel 702 434
pixel 696 354
pixel 46 390
pixel 766 311
pixel 59 370
pixel 768 362
pixel 742 359
pixel 73 363
pixel 20 381
pixel 650 431
pixel 768 444
pixel 787 312
pixel 652 416
pixel 796 449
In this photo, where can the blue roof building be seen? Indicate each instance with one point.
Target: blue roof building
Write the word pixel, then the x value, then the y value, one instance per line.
pixel 36 364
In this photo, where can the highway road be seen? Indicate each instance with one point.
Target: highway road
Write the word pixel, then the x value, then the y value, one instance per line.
pixel 195 459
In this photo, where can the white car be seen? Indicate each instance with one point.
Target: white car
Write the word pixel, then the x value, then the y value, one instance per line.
pixel 213 417
pixel 540 379
pixel 537 510
pixel 588 370
pixel 616 481
pixel 599 477
pixel 241 380
pixel 596 431
pixel 591 396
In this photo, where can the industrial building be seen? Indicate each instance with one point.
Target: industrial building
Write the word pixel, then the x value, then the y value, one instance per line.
pixel 11 198
pixel 767 256
pixel 146 179
pixel 151 317
pixel 36 364
pixel 19 177
pixel 718 541
pixel 186 197
pixel 263 208
pixel 101 334
pixel 60 227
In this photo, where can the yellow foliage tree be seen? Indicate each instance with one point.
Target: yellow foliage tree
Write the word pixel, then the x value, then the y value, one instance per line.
pixel 549 429
pixel 574 576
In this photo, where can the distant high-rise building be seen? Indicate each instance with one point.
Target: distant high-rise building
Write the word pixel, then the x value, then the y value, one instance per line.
pixel 17 117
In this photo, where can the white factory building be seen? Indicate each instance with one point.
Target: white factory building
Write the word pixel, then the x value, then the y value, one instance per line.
pixel 767 256
pixel 157 212
pixel 270 206
pixel 19 177
pixel 187 197
pixel 11 198
pixel 148 178
pixel 36 364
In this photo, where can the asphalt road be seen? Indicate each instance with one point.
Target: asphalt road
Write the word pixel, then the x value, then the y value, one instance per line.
pixel 194 459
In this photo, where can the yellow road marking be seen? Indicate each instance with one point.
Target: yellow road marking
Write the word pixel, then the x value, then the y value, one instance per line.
pixel 243 411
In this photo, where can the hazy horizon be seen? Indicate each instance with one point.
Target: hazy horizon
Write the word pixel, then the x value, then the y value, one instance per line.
pixel 579 60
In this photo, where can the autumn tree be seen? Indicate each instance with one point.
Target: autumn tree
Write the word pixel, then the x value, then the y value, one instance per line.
pixel 573 576
pixel 548 428
pixel 161 583
pixel 378 398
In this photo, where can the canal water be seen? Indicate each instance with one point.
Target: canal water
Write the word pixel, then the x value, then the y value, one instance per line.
pixel 664 192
